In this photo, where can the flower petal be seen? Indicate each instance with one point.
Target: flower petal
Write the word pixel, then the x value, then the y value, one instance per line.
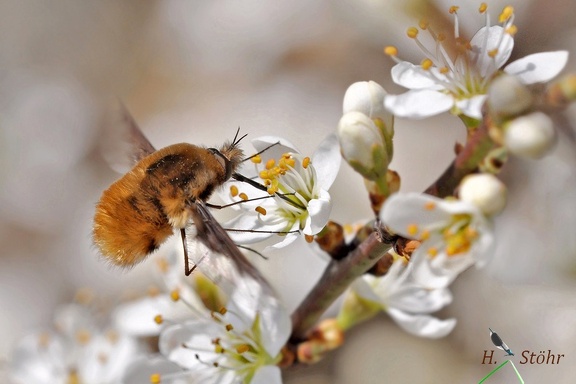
pixel 413 76
pixel 538 67
pixel 318 214
pixel 422 325
pixel 326 161
pixel 490 39
pixel 418 104
pixel 472 107
pixel 267 375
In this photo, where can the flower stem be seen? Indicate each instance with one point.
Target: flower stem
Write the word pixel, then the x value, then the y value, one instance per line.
pixel 339 274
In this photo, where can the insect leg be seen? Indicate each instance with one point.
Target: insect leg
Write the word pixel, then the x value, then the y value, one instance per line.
pixel 187 269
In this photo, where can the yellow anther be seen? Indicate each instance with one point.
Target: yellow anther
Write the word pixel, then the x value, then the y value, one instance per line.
pixel 229 327
pixel 242 348
pixel 453 9
pixel 233 191
pixel 158 319
pixel 163 265
pixel 391 50
pixel 412 229
pixel 441 37
pixel 471 233
pixel 260 210
pixel 512 30
pixel 309 238
pixel 73 377
pixel 82 336
pixel 270 163
pixel 84 296
pixel 432 252
pixel 175 295
pixel 219 349
pixel 243 196
pixel 264 174
pixel 426 64
pixel 305 162
pixel 425 235
pixel 483 7
pixel 423 23
pixel 222 311
pixel 287 155
pixel 444 70
pixel 492 53
pixel 412 32
pixel 256 159
pixel 155 378
pixel 430 205
pixel 112 336
pixel 507 12
pixel 153 291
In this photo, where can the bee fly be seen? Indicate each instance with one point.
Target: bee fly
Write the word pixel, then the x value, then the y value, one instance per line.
pixel 166 189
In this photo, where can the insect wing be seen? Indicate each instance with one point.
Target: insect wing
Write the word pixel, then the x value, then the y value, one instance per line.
pixel 123 143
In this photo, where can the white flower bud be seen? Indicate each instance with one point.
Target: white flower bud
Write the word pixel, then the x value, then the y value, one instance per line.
pixel 508 96
pixel 368 97
pixel 362 145
pixel 530 136
pixel 484 191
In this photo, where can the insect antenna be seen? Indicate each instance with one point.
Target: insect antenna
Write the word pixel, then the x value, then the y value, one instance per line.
pixel 236 141
pixel 261 152
pixel 252 250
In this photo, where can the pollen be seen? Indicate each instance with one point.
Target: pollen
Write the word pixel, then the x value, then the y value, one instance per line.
pixel 426 64
pixel 261 210
pixel 256 159
pixel 412 32
pixel 243 196
pixel 233 191
pixel 512 30
pixel 483 7
pixel 492 53
pixel 425 235
pixel 423 24
pixel 432 252
pixel 305 162
pixel 412 229
pixel 270 164
pixel 430 205
pixel 158 319
pixel 444 70
pixel 175 295
pixel 506 14
pixel 155 378
pixel 391 50
pixel 242 348
pixel 453 9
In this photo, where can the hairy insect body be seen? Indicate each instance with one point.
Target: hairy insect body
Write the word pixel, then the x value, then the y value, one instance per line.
pixel 140 210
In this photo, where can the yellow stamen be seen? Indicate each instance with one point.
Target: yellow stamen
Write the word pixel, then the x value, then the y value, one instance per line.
pixel 83 336
pixel 256 159
pixel 233 191
pixel 155 378
pixel 175 295
pixel 493 53
pixel 412 229
pixel 229 327
pixel 112 336
pixel 305 162
pixel 425 235
pixel 441 37
pixel 444 70
pixel 242 348
pixel 391 50
pixel 260 210
pixel 243 196
pixel 423 23
pixel 309 238
pixel 158 319
pixel 483 7
pixel 270 163
pixel 512 30
pixel 507 12
pixel 223 311
pixel 412 32
pixel 453 9
pixel 432 252
pixel 163 265
pixel 430 205
pixel 426 64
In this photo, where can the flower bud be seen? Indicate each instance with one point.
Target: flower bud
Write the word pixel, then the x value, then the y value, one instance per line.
pixel 362 145
pixel 508 96
pixel 530 136
pixel 368 97
pixel 484 191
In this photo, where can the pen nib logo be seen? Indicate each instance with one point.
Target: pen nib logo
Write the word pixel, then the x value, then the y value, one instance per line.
pixel 499 343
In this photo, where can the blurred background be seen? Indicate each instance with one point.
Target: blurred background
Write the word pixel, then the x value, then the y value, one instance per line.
pixel 194 71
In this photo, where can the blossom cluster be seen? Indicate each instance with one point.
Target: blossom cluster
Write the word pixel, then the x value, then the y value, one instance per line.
pixel 228 325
